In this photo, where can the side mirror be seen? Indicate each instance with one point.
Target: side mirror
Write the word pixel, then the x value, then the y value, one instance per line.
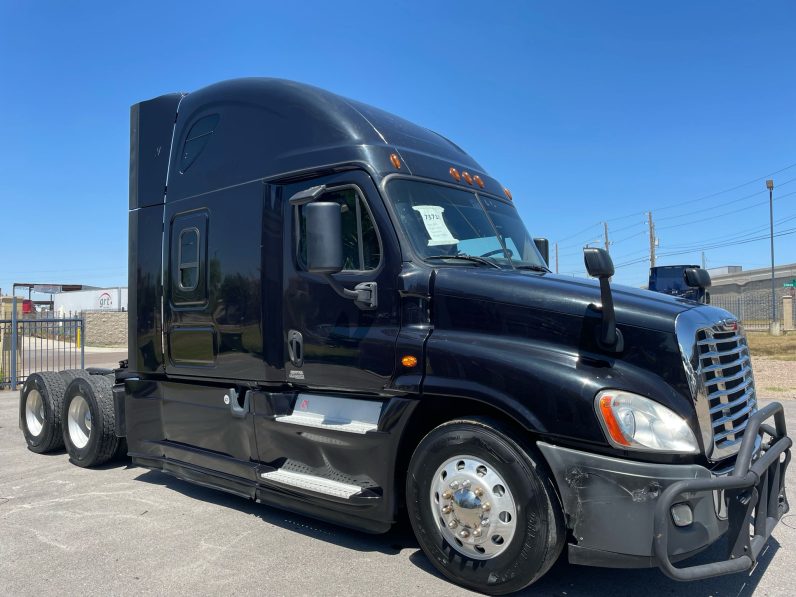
pixel 696 277
pixel 324 237
pixel 598 263
pixel 543 245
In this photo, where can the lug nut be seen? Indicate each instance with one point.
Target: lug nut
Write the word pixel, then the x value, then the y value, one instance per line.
pixel 446 495
pixel 454 485
pixel 446 509
pixel 464 533
pixel 477 533
pixel 466 485
pixel 486 507
pixel 478 492
pixel 453 524
pixel 484 522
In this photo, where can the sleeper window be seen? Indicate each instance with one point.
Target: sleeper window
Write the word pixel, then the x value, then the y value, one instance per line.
pixel 361 249
pixel 189 259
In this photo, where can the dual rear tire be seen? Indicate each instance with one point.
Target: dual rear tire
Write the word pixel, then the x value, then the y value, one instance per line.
pixel 72 409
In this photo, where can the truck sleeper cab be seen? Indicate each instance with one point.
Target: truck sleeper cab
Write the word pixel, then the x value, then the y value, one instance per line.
pixel 340 313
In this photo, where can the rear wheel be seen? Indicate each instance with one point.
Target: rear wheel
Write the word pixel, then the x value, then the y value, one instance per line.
pixel 89 421
pixel 483 510
pixel 40 411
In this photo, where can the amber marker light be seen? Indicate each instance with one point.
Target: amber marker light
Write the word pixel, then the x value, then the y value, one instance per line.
pixel 409 361
pixel 466 176
pixel 455 174
pixel 508 194
pixel 611 424
pixel 395 161
pixel 478 181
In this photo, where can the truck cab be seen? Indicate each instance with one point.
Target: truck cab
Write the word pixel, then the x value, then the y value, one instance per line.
pixel 341 313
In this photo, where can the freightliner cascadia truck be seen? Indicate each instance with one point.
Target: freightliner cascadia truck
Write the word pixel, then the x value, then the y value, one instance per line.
pixel 337 312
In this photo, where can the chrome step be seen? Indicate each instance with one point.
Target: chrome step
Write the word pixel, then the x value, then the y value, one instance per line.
pixel 312 483
pixel 351 415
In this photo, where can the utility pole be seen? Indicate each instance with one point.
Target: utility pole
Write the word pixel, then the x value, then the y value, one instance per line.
pixel 704 263
pixel 607 244
pixel 652 238
pixel 556 257
pixel 774 329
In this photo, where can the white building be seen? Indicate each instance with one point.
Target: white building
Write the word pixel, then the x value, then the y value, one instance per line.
pixel 100 299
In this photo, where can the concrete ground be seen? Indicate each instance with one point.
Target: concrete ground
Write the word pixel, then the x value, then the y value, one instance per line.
pixel 121 530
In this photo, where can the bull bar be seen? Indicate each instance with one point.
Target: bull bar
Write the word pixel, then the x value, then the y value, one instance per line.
pixel 755 494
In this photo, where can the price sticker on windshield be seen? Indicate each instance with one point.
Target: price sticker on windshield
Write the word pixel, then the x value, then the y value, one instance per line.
pixel 438 231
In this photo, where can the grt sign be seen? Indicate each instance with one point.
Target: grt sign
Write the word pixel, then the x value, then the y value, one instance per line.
pixel 105 301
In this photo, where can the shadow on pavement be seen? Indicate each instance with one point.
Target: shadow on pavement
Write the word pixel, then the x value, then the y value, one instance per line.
pixel 563 579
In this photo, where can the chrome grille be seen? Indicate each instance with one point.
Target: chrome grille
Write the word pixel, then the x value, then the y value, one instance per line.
pixel 724 370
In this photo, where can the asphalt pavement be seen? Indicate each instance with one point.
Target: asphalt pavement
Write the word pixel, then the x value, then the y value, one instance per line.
pixel 123 530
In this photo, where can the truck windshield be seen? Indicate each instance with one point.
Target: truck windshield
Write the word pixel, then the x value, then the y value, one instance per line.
pixel 445 223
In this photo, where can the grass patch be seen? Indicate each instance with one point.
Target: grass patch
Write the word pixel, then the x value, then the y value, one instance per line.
pixel 781 348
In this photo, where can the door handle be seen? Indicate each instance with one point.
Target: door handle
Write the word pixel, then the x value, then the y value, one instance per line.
pixel 295 348
pixel 238 409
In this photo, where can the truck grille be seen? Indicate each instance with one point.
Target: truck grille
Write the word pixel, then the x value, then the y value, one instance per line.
pixel 725 372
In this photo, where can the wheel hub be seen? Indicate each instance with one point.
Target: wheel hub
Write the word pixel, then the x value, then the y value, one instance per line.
pixel 34 413
pixel 466 492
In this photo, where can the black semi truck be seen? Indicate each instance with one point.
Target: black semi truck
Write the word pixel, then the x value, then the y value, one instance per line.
pixel 340 313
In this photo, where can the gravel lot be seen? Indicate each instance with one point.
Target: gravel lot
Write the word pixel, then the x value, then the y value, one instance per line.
pixel 775 379
pixel 121 530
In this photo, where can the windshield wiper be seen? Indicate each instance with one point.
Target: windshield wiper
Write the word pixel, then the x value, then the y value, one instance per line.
pixel 473 258
pixel 533 267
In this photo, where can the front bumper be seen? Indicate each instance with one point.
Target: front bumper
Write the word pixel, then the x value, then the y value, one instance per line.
pixel 619 510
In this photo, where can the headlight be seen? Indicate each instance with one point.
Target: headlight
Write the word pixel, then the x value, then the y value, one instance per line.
pixel 632 422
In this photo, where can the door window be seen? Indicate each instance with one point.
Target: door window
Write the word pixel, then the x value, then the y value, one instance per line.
pixel 361 248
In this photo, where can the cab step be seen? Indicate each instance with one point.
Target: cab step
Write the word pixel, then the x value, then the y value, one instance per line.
pixel 313 483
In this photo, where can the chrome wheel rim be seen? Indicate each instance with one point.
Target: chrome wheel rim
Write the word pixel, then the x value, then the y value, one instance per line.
pixel 473 506
pixel 34 413
pixel 79 421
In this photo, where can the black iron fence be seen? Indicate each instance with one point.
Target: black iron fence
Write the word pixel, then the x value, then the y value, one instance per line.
pixel 39 342
pixel 753 309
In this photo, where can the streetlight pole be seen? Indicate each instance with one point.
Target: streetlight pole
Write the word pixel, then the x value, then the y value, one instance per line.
pixel 774 329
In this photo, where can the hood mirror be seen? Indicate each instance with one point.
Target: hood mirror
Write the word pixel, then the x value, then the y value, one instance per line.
pixel 600 265
pixel 696 277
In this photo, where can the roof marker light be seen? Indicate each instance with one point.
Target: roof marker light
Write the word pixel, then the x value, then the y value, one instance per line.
pixel 455 174
pixel 467 177
pixel 395 161
pixel 508 194
pixel 478 181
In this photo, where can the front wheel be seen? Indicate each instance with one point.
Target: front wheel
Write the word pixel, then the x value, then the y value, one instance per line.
pixel 481 508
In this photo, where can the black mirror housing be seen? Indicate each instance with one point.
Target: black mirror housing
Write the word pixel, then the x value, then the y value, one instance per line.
pixel 598 262
pixel 543 246
pixel 324 237
pixel 696 277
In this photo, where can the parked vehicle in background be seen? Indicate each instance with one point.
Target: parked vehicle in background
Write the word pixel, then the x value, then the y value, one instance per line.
pixel 670 279
pixel 340 313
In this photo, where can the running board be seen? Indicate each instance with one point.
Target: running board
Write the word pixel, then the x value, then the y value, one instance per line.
pixel 312 483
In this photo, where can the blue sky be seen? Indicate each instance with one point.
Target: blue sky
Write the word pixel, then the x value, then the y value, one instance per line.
pixel 587 111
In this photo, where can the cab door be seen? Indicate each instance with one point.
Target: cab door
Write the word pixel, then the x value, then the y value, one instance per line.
pixel 332 341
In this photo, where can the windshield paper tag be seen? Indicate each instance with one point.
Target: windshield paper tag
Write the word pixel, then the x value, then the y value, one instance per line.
pixel 435 226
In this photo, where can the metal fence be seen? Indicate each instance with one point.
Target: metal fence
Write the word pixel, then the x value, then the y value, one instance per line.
pixel 753 309
pixel 39 342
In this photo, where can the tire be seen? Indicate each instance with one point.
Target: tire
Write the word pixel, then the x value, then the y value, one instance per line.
pixel 40 411
pixel 89 421
pixel 509 543
pixel 70 374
